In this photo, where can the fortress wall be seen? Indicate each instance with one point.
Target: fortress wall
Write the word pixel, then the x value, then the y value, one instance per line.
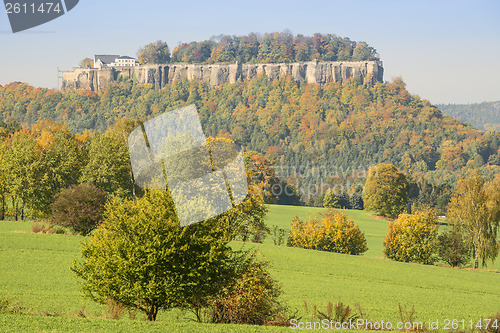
pixel 321 72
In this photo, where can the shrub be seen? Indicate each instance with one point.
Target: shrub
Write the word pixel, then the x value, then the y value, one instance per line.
pixel 412 238
pixel 333 233
pixel 251 299
pixel 79 207
pixel 453 249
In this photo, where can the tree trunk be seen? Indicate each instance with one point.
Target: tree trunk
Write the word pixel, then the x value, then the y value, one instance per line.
pixel 152 312
pixel 14 206
pixel 476 258
pixel 2 211
pixel 476 255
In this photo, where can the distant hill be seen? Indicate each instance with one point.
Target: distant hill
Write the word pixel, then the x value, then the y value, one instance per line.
pixel 484 116
pixel 333 129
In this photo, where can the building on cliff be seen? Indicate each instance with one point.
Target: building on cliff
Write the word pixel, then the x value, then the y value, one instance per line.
pixel 104 60
pixel 215 74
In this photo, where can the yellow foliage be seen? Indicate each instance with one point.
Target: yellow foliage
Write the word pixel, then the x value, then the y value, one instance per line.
pixel 333 233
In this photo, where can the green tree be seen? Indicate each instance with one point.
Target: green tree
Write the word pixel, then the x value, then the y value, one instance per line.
pixel 154 53
pixel 25 171
pixel 108 165
pixel 385 190
pixel 79 207
pixel 58 162
pixel 330 200
pixel 142 258
pixel 453 249
pixel 412 238
pixel 474 210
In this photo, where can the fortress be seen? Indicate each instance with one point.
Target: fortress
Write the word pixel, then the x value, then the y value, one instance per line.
pixel 215 74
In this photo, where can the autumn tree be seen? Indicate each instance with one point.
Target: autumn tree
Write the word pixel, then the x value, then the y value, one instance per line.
pixel 412 237
pixel 385 190
pixel 474 210
pixel 154 53
pixel 87 63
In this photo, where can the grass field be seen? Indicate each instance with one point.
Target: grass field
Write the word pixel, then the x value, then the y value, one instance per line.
pixel 35 269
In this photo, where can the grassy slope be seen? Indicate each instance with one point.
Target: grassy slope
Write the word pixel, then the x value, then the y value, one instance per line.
pixel 34 268
pixel 378 284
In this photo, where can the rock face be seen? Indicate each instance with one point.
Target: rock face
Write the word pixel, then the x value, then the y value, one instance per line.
pixel 160 75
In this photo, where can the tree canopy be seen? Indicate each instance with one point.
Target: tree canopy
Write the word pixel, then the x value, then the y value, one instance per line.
pixel 273 48
pixel 386 190
pixel 154 53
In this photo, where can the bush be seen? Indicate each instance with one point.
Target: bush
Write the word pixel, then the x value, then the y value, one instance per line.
pixel 79 207
pixel 452 248
pixel 334 233
pixel 251 299
pixel 412 238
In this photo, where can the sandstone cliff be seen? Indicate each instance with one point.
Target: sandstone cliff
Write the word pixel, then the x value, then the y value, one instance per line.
pixel 159 75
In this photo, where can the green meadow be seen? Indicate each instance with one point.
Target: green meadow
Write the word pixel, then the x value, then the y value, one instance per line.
pixel 34 270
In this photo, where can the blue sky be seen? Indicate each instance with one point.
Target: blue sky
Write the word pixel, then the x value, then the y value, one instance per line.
pixel 446 51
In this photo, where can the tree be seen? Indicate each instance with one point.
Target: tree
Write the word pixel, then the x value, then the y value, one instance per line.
pixel 412 238
pixel 142 258
pixel 108 166
pixel 87 63
pixel 59 162
pixel 453 249
pixel 4 177
pixel 385 190
pixel 474 210
pixel 154 53
pixel 79 207
pixel 25 172
pixel 330 200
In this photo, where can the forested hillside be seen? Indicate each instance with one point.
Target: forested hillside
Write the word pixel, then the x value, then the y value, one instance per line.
pixel 484 116
pixel 313 135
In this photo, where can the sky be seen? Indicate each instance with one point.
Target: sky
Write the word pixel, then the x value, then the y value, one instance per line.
pixel 445 51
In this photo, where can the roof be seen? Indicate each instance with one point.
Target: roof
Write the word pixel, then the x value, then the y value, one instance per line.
pixel 106 58
pixel 126 57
